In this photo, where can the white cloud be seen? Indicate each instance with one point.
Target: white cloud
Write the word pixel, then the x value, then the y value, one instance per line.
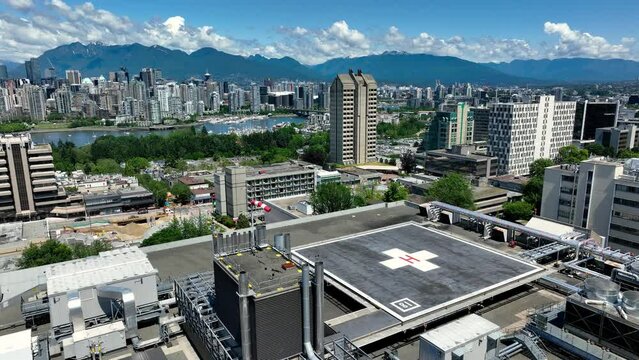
pixel 483 50
pixel 20 4
pixel 574 43
pixel 38 25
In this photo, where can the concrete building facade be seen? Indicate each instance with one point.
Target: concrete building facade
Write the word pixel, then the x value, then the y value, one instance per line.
pixel 520 133
pixel 28 186
pixel 624 136
pixel 238 184
pixel 353 118
pixel 598 195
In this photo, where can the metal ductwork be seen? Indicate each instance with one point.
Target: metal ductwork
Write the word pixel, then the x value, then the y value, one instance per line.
pixel 319 308
pixel 287 245
pixel 245 327
pixel 306 311
pixel 74 303
pixel 127 298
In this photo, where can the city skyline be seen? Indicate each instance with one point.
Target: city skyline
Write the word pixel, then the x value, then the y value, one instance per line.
pixel 313 33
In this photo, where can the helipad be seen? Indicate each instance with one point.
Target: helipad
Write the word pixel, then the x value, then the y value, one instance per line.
pixel 408 270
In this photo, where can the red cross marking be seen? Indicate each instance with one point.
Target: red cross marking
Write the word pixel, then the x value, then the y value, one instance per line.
pixel 409 259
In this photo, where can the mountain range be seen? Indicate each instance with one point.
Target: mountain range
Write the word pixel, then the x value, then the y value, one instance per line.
pixel 390 67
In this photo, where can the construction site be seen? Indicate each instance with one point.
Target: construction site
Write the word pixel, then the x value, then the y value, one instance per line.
pixel 387 281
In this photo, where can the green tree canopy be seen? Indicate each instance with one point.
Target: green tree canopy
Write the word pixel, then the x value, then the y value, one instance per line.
pixel 243 222
pixel 179 230
pixel 571 155
pixel 533 191
pixel 599 150
pixel 538 167
pixel 53 251
pixel 518 210
pixel 106 166
pixel 135 165
pixel 395 192
pixel 408 161
pixel 453 189
pixel 331 197
pixel 181 192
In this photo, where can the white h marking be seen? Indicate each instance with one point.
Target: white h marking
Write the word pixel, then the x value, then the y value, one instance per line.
pixel 418 260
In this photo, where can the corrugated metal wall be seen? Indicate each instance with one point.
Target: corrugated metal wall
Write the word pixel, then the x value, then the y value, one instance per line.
pixel 227 304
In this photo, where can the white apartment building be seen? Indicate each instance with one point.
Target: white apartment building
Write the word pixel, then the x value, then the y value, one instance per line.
pixel 596 194
pixel 520 133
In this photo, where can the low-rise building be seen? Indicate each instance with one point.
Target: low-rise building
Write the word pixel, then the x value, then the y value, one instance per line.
pixel 624 136
pixel 464 159
pixel 238 184
pixel 118 201
pixel 596 194
pixel 365 177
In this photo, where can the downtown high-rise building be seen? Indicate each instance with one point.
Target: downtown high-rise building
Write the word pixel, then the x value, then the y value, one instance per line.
pixel 353 123
pixel 4 74
pixel 32 67
pixel 520 133
pixel 36 98
pixel 73 77
pixel 452 125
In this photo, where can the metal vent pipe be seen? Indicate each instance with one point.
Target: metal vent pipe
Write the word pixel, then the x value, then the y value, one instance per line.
pixel 319 307
pixel 75 310
pixel 306 311
pixel 245 329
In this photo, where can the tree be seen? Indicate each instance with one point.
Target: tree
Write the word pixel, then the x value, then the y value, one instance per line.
pixel 181 192
pixel 49 252
pixel 627 154
pixel 571 155
pixel 106 166
pixel 533 191
pixel 453 189
pixel 243 222
pixel 538 166
pixel 518 210
pixel 331 197
pixel 599 150
pixel 135 165
pixel 315 154
pixel 395 192
pixel 408 161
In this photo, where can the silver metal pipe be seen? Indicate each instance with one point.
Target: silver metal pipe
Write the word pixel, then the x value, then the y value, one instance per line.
pixel 319 308
pixel 287 245
pixel 245 330
pixel 306 312
pixel 75 310
pixel 127 298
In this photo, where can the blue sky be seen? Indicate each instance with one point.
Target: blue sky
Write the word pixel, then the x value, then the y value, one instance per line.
pixel 314 31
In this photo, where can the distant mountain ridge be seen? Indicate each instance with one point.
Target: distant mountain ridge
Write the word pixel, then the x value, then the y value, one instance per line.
pixel 96 59
pixel 571 69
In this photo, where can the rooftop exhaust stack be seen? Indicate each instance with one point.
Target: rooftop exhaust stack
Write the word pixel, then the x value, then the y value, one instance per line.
pixel 306 313
pixel 75 310
pixel 319 307
pixel 245 330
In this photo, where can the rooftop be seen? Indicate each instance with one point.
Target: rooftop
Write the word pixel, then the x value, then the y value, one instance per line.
pixel 107 267
pixel 265 268
pixel 16 345
pixel 275 169
pixel 410 271
pixel 196 257
pixel 459 332
pixel 188 180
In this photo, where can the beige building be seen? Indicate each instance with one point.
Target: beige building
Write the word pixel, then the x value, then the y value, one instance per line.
pixel 28 186
pixel 353 119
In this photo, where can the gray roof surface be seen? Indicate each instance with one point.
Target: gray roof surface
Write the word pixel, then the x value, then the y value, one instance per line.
pixel 179 261
pixel 453 271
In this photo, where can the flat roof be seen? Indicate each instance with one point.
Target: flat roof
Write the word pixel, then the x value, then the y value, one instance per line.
pixel 459 332
pixel 197 257
pixel 16 346
pixel 410 271
pixel 108 267
pixel 255 172
pixel 265 269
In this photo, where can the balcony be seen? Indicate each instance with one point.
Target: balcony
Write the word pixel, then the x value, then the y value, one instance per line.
pixel 39 174
pixel 45 189
pixel 41 166
pixel 42 158
pixel 44 150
